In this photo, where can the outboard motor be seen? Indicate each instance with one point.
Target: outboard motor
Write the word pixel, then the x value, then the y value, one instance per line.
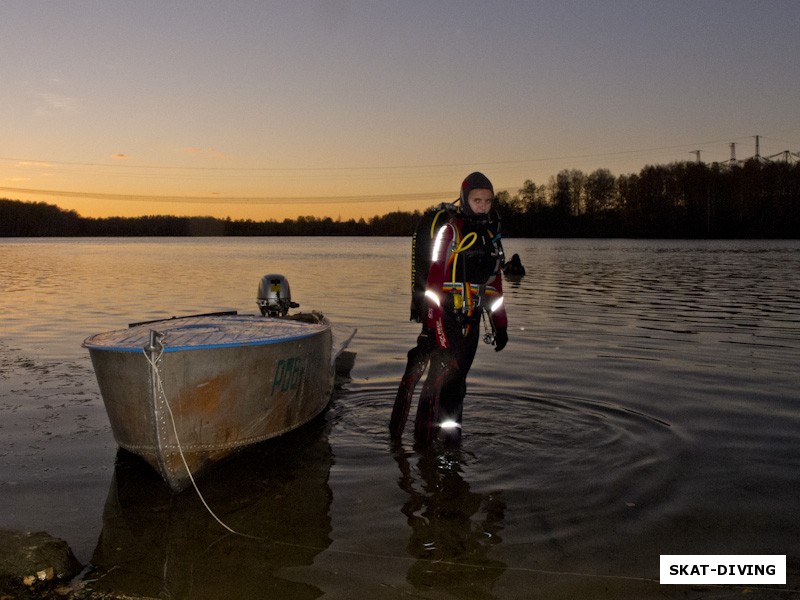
pixel 274 297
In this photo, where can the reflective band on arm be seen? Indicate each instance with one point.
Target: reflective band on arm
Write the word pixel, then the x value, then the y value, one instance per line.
pixel 496 304
pixel 437 244
pixel 433 297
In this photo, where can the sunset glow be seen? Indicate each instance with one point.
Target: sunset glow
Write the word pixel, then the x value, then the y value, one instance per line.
pixel 350 109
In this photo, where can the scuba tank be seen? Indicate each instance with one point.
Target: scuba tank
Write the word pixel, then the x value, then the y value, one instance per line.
pixel 421 250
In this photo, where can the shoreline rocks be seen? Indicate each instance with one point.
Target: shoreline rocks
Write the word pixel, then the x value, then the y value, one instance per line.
pixel 32 563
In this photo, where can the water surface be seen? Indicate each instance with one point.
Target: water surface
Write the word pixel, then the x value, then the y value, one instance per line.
pixel 646 404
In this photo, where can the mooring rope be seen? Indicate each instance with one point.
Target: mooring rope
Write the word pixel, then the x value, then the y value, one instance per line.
pixel 153 358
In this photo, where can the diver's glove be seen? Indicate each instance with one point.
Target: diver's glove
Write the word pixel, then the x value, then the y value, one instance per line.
pixel 500 338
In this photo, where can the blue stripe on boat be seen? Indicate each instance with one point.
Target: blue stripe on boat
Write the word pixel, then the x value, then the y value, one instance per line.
pixel 206 332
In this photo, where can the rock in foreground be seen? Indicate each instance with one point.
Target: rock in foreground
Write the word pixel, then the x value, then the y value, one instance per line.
pixel 32 562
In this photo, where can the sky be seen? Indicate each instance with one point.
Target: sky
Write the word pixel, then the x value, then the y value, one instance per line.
pixel 347 109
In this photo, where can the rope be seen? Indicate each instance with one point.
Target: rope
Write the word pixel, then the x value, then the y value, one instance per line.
pixel 154 360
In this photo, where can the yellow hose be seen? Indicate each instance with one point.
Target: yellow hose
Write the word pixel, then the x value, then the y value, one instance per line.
pixel 465 244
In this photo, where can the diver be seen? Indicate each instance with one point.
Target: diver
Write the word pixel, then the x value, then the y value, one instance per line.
pixel 463 285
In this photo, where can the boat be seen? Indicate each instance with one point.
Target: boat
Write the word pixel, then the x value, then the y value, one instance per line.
pixel 187 392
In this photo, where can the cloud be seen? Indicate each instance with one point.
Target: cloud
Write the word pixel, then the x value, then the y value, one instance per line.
pixel 119 156
pixel 34 164
pixel 50 104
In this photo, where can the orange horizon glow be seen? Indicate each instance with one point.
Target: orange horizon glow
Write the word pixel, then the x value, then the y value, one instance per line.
pixel 257 208
pixel 204 183
pixel 118 187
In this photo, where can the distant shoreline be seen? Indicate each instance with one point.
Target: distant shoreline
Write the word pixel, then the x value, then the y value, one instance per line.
pixel 754 200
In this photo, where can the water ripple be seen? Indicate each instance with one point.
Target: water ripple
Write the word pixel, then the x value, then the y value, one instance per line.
pixel 575 463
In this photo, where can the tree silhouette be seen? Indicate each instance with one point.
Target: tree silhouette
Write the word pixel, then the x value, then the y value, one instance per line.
pixel 756 199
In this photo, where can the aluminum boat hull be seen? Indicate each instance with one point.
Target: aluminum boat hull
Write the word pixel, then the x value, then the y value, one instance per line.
pixel 210 386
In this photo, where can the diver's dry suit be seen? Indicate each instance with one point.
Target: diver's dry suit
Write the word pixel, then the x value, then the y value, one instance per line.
pixel 464 280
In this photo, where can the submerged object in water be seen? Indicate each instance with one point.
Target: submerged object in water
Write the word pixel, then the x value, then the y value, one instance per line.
pixel 514 267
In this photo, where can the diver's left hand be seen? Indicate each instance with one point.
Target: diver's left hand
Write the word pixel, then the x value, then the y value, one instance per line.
pixel 500 339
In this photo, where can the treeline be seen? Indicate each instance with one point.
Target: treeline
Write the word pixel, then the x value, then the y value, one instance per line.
pixel 757 199
pixel 39 219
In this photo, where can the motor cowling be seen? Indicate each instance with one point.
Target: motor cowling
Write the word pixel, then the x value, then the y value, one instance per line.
pixel 274 296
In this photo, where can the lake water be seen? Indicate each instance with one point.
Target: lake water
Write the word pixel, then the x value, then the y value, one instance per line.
pixel 647 403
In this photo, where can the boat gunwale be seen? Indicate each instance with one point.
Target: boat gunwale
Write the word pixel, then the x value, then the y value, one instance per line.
pixel 317 329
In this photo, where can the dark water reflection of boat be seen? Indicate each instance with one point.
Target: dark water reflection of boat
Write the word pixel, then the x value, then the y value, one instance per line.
pixel 157 544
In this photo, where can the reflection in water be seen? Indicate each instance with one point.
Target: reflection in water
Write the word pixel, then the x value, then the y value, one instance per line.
pixel 646 404
pixel 157 544
pixel 452 528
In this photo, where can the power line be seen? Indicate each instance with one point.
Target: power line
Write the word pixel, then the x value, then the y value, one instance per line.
pixel 518 162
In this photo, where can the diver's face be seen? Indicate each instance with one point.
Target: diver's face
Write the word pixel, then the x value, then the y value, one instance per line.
pixel 480 201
